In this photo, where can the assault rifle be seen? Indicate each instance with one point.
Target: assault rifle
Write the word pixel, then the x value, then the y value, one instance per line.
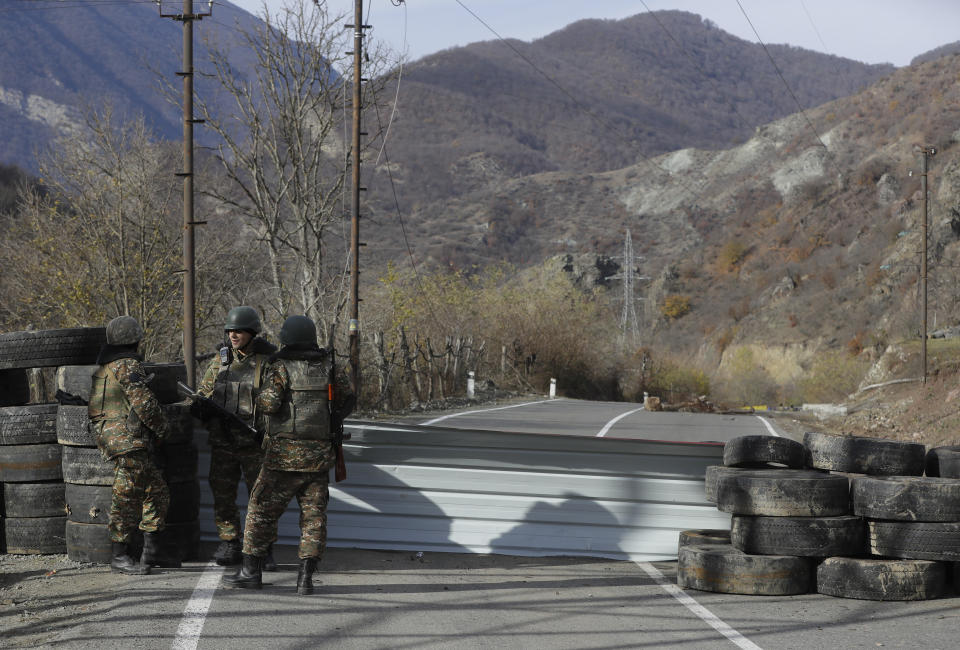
pixel 212 408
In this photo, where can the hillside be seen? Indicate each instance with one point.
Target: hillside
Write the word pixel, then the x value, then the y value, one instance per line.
pixel 595 96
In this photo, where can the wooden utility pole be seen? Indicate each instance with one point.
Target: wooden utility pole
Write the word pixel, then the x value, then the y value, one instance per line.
pixel 925 153
pixel 354 326
pixel 189 265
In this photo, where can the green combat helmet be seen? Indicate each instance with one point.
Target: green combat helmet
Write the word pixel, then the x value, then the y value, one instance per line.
pixel 124 330
pixel 298 330
pixel 244 319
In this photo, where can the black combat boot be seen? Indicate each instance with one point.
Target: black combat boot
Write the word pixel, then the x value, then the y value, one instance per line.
pixel 305 576
pixel 248 576
pixel 156 553
pixel 121 562
pixel 269 564
pixel 228 553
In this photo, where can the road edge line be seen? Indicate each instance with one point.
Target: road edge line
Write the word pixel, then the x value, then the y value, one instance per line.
pixel 702 612
pixel 612 422
pixel 195 612
pixel 498 408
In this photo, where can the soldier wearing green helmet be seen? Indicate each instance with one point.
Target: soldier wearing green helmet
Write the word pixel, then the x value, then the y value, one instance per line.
pixel 232 380
pixel 126 419
pixel 299 452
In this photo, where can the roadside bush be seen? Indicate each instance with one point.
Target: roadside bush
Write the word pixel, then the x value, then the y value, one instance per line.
pixel 746 382
pixel 833 376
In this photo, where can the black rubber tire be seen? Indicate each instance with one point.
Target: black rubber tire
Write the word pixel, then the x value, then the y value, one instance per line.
pixel 724 569
pixel 943 462
pixel 185 537
pixel 88 504
pixel 33 499
pixel 872 456
pixel 761 451
pixel 14 387
pixel 178 462
pixel 906 498
pixel 915 540
pixel 783 493
pixel 88 543
pixel 73 426
pixel 45 348
pixel 85 466
pixel 30 463
pixel 76 380
pixel 876 579
pixel 35 535
pixel 703 537
pixel 713 474
pixel 28 425
pixel 184 502
pixel 800 536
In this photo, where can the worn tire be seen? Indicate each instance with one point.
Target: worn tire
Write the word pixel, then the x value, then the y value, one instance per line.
pixel 85 466
pixel 28 425
pixel 872 456
pixel 724 569
pixel 76 380
pixel 713 474
pixel 33 499
pixel 703 537
pixel 14 387
pixel 906 498
pixel 875 579
pixel 800 536
pixel 88 504
pixel 30 463
pixel 762 451
pixel 73 426
pixel 35 535
pixel 88 542
pixel 943 462
pixel 783 493
pixel 915 540
pixel 45 348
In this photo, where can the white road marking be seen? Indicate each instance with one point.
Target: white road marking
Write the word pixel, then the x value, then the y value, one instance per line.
pixel 612 422
pixel 195 613
pixel 498 408
pixel 705 614
pixel 769 427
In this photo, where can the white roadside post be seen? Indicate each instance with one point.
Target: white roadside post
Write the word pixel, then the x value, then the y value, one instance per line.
pixel 470 384
pixel 553 387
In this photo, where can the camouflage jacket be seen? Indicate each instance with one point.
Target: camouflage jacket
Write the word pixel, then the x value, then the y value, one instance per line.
pixel 235 386
pixel 124 412
pixel 290 454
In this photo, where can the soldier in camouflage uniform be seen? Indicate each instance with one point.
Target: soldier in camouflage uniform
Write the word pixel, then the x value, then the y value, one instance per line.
pixel 126 420
pixel 232 380
pixel 299 452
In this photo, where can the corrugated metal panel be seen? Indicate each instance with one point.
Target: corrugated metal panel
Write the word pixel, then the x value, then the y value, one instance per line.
pixel 432 489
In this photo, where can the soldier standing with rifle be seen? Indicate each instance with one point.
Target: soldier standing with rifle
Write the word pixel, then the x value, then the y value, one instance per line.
pixel 232 381
pixel 127 421
pixel 305 403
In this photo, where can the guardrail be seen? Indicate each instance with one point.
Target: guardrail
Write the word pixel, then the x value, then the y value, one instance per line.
pixel 450 490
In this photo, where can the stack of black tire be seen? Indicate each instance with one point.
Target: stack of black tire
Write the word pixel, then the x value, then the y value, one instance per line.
pixel 30 459
pixel 89 478
pixel 843 516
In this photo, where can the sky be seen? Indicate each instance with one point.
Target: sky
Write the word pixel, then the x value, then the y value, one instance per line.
pixel 871 31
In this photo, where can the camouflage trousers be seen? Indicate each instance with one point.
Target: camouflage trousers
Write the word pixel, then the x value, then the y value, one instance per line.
pixel 140 496
pixel 269 499
pixel 227 464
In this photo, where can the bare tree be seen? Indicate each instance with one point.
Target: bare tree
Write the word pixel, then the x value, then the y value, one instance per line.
pixel 284 152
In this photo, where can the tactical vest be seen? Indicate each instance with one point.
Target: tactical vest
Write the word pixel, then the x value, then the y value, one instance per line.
pixel 304 415
pixel 237 385
pixel 107 399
